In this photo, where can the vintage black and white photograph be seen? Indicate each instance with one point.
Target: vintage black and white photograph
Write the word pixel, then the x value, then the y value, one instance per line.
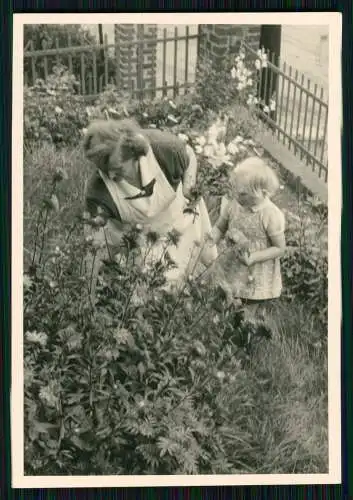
pixel 177 277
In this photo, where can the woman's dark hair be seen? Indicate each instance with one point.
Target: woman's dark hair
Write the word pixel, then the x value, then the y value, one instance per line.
pixel 112 142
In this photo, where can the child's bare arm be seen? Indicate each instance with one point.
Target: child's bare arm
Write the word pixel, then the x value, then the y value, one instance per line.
pixel 276 250
pixel 275 231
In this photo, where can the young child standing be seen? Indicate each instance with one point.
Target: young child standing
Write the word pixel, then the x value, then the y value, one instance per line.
pixel 254 226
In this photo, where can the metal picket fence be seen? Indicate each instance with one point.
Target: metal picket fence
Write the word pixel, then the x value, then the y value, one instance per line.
pixel 96 66
pixel 301 108
pixel 300 117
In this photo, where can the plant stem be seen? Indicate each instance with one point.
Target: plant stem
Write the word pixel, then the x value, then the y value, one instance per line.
pixel 92 271
pixel 40 213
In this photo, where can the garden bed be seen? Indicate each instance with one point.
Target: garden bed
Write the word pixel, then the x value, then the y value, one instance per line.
pixel 153 383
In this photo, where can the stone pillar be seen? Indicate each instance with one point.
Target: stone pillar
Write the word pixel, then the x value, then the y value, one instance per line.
pixel 136 64
pixel 218 41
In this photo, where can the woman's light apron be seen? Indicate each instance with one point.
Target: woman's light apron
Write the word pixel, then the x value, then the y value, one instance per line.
pixel 161 212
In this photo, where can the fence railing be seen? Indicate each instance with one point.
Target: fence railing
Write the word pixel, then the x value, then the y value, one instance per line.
pixel 168 70
pixel 301 111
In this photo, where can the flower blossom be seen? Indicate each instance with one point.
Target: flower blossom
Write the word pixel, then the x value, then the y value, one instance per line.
pixel 40 338
pixel 48 397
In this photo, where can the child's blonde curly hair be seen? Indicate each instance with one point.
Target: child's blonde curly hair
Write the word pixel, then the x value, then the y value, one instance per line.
pixel 255 176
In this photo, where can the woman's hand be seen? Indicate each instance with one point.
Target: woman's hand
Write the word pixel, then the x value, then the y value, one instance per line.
pixel 190 174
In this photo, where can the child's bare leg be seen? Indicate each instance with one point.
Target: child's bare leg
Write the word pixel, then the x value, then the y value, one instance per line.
pixel 251 310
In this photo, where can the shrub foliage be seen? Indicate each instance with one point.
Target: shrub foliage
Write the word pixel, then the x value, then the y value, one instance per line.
pixel 145 380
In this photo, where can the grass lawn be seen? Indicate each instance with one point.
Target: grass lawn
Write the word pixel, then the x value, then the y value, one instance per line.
pixel 287 374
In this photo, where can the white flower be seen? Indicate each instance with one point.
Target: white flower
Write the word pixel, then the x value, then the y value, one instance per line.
pixel 209 150
pixel 240 65
pixel 221 149
pixel 198 149
pixel 242 54
pixel 183 137
pixel 84 131
pixel 237 59
pixel 172 105
pixel 240 86
pixel 201 140
pixel 113 112
pixel 249 82
pixel 172 119
pixel 232 148
pixel 37 338
pixel 48 397
pixel 233 73
pixel 58 110
pixel 213 133
pixel 272 105
pixel 258 64
pixel 221 375
pixel 238 139
pixel 27 281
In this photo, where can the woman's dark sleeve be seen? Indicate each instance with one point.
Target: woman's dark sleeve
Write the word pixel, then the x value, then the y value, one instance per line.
pixel 171 155
pixel 98 197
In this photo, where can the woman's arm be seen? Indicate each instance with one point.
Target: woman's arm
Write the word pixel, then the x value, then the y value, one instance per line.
pixel 189 179
pixel 220 227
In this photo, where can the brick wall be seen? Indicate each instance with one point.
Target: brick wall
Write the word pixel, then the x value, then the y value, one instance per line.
pixel 217 39
pixel 136 63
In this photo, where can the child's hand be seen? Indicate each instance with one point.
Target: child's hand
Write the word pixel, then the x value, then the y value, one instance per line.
pixel 246 258
pixel 236 238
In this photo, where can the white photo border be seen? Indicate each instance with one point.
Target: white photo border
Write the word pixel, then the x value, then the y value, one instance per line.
pixel 334 21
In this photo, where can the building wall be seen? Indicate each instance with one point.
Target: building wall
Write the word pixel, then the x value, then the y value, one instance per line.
pixel 305 48
pixel 136 63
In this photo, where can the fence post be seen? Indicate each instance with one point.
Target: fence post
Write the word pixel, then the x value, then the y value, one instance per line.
pixel 139 64
pixel 270 40
pixel 217 41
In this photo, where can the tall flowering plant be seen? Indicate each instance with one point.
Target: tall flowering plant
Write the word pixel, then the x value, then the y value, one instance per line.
pixel 246 75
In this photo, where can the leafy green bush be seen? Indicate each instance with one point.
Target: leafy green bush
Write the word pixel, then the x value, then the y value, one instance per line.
pixel 53 112
pixel 305 266
pixel 49 36
pixel 140 375
pixel 153 383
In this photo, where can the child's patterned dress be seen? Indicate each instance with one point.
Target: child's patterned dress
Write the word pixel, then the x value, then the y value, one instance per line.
pixel 262 280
